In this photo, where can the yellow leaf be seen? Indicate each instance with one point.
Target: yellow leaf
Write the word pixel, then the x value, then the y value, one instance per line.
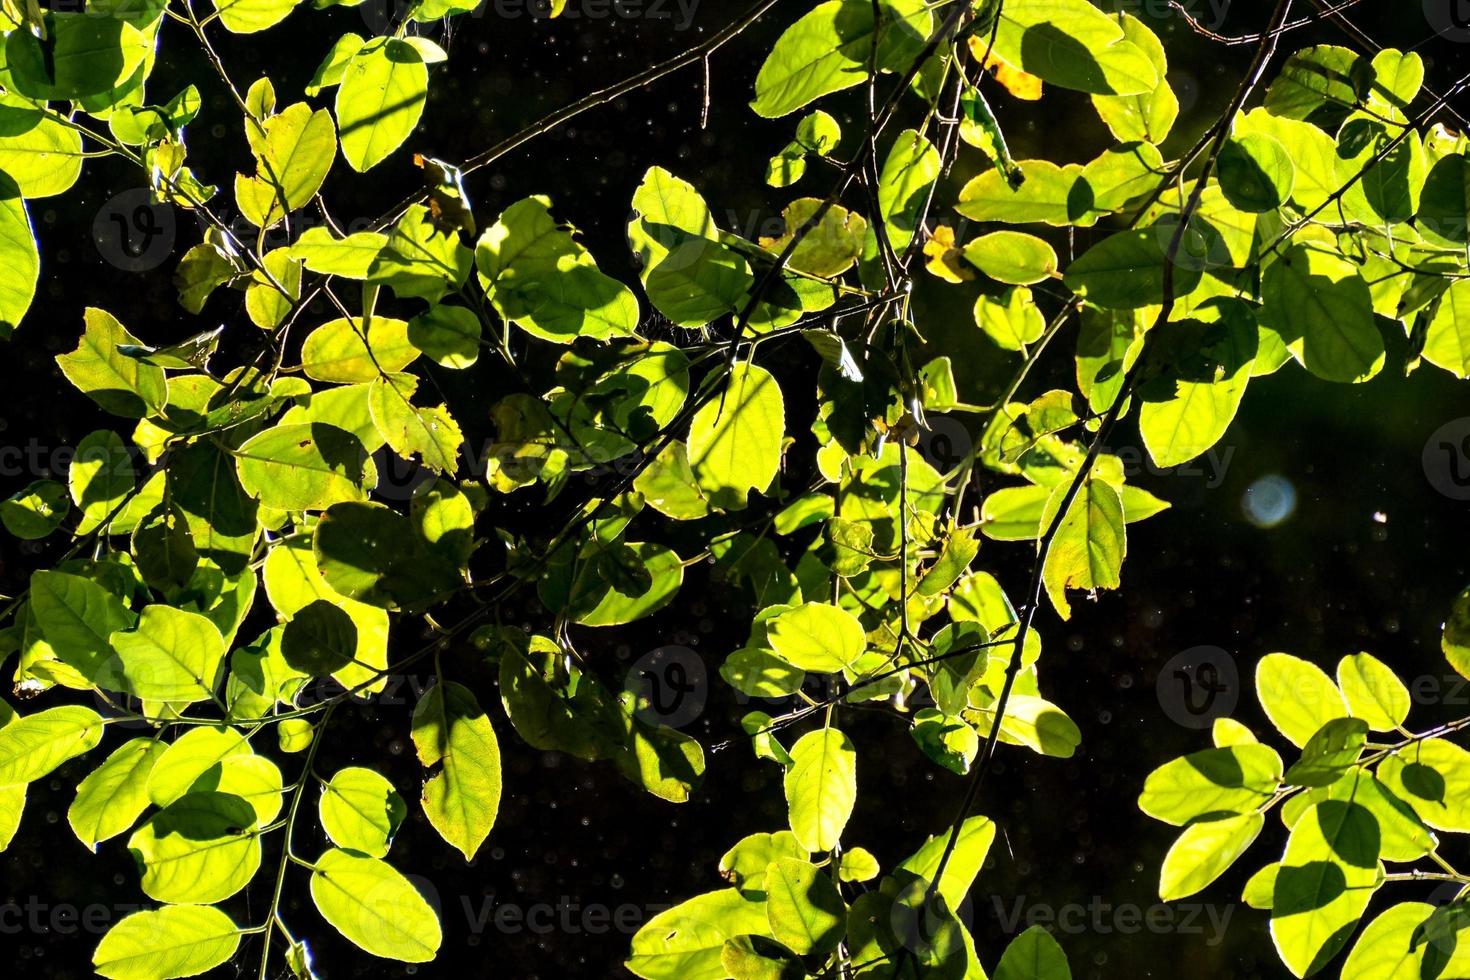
pixel 1012 79
pixel 946 261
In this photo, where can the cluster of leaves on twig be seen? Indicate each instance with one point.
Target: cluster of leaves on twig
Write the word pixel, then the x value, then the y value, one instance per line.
pixel 1321 220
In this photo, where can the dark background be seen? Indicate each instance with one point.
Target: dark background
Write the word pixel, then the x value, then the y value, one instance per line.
pixel 1369 559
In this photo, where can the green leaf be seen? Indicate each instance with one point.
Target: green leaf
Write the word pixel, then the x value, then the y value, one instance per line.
pixel 1402 835
pixel 1123 174
pixel 77 617
pixel 120 384
pixel 319 639
pixel 164 551
pixel 761 674
pixel 369 552
pixel 343 350
pixel 100 477
pixel 420 260
pixel 1320 305
pixel 293 581
pixel 971 847
pixel 745 864
pixel 1297 696
pixel 334 65
pixel 817 637
pixel 1454 642
pixel 32 746
pixel 1447 341
pixel 18 255
pixel 1313 154
pixel 361 811
pixel 1087 551
pixel 821 788
pixel 1205 851
pixel 305 467
pixel 685 942
pixel 829 248
pixel 698 281
pixel 36 511
pixel 1011 319
pixel 41 154
pixel 852 546
pixel 830 47
pixel 1394 946
pixel 1033 955
pixel 295 150
pixel 1073 44
pixel 758 958
pixel 174 941
pixel 295 734
pixel 904 185
pixel 172 655
pixel 449 335
pixel 193 754
pixel 431 433
pixel 253 778
pixel 1221 781
pixel 1323 77
pixel 857 864
pixel 1033 722
pixel 1327 877
pixel 1149 116
pixel 202 270
pixel 444 517
pixel 1373 691
pixel 83 55
pixel 806 913
pixel 350 257
pixel 1050 194
pixel 689 275
pixel 1127 270
pixel 1393 170
pixel 12 808
pixel 668 485
pixel 538 276
pixel 1012 257
pixel 1444 206
pixel 1261 887
pixel 960 549
pixel 1187 412
pixel 202 848
pixel 203 482
pixel 252 16
pixel 380 100
pixel 374 906
pixel 1329 753
pixel 451 732
pixel 1432 776
pixel 735 439
pixel 1256 172
pixel 661 760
